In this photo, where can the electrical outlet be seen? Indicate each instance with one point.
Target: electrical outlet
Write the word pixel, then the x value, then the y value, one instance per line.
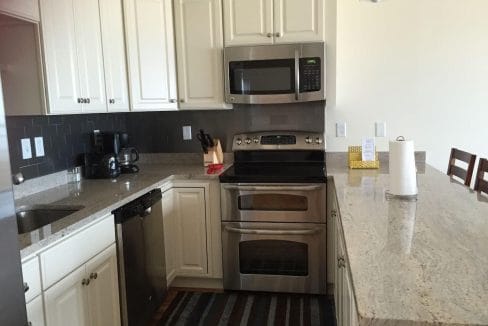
pixel 341 129
pixel 186 132
pixel 380 128
pixel 39 144
pixel 26 148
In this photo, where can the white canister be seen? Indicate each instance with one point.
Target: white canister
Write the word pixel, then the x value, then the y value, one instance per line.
pixel 403 173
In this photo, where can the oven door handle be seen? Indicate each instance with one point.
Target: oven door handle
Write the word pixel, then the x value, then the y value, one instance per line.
pixel 297 75
pixel 272 232
pixel 272 188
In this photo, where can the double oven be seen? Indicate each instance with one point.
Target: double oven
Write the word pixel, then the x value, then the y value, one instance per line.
pixel 274 220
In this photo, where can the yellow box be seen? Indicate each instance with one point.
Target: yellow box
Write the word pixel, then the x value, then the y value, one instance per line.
pixel 356 162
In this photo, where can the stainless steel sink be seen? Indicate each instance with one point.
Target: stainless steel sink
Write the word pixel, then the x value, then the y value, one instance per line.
pixel 30 218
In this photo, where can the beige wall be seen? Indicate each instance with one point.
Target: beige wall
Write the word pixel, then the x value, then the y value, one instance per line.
pixel 419 65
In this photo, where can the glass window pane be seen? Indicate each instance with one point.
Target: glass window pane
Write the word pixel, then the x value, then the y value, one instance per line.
pixel 273 257
pixel 273 202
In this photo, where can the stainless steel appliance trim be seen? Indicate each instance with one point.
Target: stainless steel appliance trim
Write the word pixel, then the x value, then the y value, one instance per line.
pixel 314 282
pixel 271 188
pixel 301 143
pixel 316 198
pixel 271 52
pixel 297 75
pixel 271 232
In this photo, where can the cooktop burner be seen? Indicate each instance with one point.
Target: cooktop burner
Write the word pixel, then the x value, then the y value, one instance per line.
pixel 277 157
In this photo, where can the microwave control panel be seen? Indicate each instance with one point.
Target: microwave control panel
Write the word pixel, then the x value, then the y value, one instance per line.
pixel 310 75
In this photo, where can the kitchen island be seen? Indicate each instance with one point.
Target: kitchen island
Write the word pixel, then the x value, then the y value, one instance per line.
pixel 422 262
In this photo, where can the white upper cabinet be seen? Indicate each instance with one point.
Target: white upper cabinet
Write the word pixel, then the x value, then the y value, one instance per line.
pixel 248 22
pixel 27 9
pixel 255 22
pixel 73 56
pixel 90 57
pixel 151 54
pixel 199 48
pixel 61 63
pixel 299 21
pixel 111 19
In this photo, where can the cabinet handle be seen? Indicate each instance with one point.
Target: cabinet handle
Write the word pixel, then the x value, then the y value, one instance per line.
pixel 93 276
pixel 172 100
pixel 341 262
pixel 269 35
pixel 333 213
pixel 85 281
pixel 79 100
pixel 29 323
pixel 182 101
pixel 88 100
pixel 26 287
pixel 111 101
pixel 278 34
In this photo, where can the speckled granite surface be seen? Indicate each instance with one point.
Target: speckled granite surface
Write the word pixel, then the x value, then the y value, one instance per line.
pixel 100 197
pixel 421 262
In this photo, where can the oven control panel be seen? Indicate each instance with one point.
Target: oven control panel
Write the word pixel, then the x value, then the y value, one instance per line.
pixel 279 140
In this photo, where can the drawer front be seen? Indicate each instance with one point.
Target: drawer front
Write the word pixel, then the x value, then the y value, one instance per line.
pixel 66 256
pixel 32 278
pixel 35 312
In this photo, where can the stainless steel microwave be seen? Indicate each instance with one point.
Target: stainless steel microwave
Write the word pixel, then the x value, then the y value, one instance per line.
pixel 275 73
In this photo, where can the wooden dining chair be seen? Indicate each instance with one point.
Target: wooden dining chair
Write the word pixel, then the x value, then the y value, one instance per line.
pixel 454 170
pixel 481 185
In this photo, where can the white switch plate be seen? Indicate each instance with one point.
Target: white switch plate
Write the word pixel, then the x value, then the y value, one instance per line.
pixel 380 128
pixel 26 148
pixel 39 144
pixel 186 132
pixel 341 129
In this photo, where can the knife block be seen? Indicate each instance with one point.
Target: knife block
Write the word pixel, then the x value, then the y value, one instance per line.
pixel 214 155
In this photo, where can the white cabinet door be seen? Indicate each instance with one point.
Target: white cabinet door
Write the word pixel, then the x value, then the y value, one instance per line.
pixel 103 290
pixel 248 22
pixel 65 301
pixel 21 8
pixel 150 54
pixel 35 312
pixel 192 232
pixel 61 62
pixel 172 251
pixel 199 49
pixel 299 21
pixel 90 57
pixel 111 20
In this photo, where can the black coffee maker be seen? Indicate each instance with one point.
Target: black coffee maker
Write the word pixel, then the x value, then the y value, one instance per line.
pixel 102 162
pixel 127 155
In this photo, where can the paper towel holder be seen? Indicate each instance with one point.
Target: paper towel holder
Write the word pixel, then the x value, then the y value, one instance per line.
pixel 389 196
pixel 400 138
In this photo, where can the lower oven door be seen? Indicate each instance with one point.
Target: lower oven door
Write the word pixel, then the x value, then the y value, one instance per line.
pixel 274 257
pixel 274 202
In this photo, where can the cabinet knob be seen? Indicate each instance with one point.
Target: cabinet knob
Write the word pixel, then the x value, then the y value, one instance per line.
pixel 172 100
pixel 29 323
pixel 182 101
pixel 269 35
pixel 333 213
pixel 79 100
pixel 278 34
pixel 26 287
pixel 341 262
pixel 111 101
pixel 93 276
pixel 85 281
pixel 88 100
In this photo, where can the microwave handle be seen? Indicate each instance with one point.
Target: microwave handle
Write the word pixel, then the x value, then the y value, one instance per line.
pixel 297 74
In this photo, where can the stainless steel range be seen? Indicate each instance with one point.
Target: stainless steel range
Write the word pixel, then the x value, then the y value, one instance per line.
pixel 274 214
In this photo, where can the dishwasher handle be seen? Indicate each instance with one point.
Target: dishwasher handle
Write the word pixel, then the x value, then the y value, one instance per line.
pixel 138 207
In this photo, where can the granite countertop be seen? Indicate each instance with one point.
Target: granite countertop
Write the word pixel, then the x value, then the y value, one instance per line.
pixel 418 262
pixel 99 198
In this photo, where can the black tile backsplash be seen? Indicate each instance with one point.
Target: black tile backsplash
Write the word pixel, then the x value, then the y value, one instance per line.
pixel 156 132
pixel 67 137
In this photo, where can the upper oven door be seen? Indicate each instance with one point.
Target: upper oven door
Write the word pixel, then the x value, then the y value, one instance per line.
pixel 274 73
pixel 303 203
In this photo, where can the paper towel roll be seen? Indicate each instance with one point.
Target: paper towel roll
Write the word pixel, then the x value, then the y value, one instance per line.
pixel 403 174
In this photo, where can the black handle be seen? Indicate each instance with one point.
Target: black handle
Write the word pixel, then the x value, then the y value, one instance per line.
pixel 26 287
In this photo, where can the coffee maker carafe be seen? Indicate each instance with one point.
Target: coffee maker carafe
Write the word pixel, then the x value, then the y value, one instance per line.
pixel 127 155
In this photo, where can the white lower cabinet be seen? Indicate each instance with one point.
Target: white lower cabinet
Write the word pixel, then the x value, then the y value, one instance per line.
pixel 35 312
pixel 345 303
pixel 88 295
pixel 192 237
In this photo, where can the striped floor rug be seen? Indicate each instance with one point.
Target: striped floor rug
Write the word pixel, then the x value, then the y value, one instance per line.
pixel 248 308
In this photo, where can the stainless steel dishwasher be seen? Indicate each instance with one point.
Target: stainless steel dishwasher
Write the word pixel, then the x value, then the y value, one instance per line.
pixel 141 260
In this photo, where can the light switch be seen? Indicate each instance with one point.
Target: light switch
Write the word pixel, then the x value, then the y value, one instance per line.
pixel 186 132
pixel 26 148
pixel 380 128
pixel 39 144
pixel 341 130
